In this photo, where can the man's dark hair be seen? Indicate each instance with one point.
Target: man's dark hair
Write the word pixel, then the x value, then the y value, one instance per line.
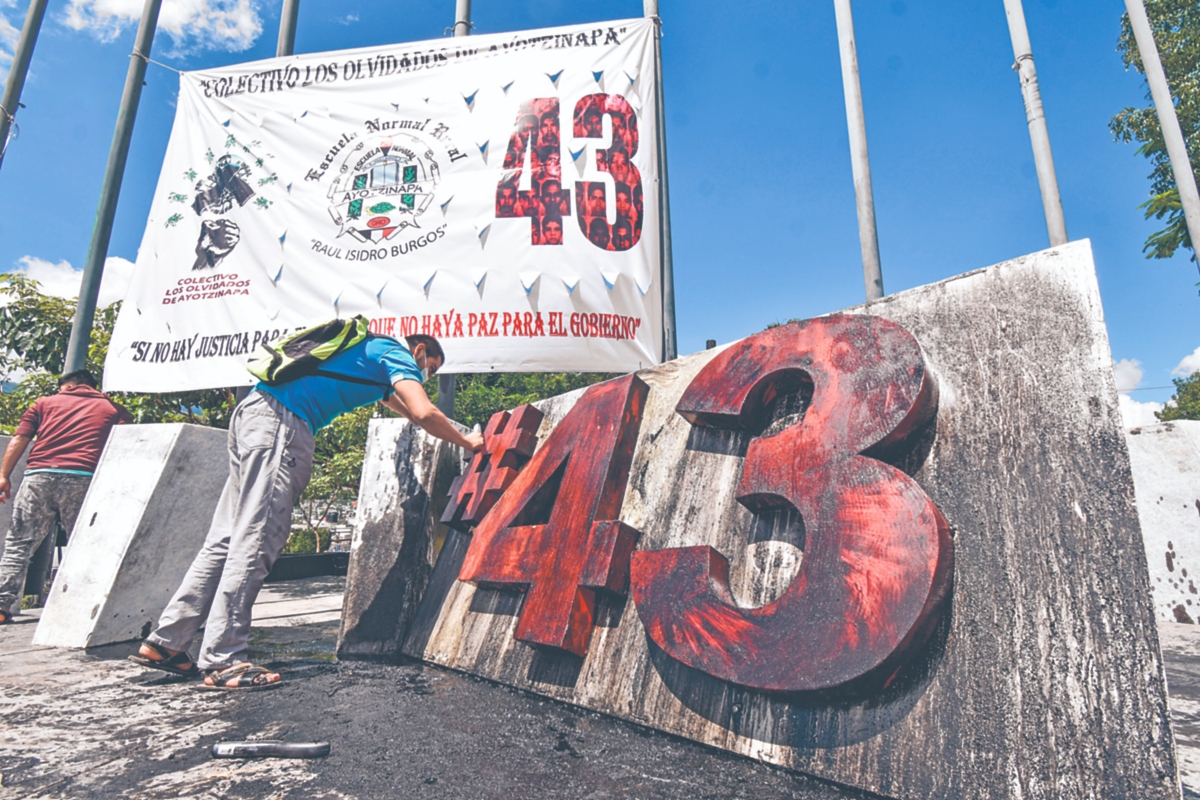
pixel 78 376
pixel 432 348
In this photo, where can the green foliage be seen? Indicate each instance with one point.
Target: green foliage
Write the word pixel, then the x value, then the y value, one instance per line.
pixel 478 397
pixel 1185 403
pixel 337 467
pixel 1176 26
pixel 307 541
pixel 34 327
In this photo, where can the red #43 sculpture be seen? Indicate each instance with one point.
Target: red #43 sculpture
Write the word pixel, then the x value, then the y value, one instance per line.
pixel 878 557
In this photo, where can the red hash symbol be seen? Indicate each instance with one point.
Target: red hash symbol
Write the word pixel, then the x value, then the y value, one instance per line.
pixel 509 441
pixel 555 533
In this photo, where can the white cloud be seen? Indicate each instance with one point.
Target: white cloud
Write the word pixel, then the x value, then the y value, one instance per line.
pixel 63 280
pixel 1128 373
pixel 193 25
pixel 1189 364
pixel 1135 414
pixel 8 38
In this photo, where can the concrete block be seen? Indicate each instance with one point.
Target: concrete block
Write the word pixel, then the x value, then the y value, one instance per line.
pixel 6 509
pixel 143 521
pixel 396 540
pixel 1043 678
pixel 1166 476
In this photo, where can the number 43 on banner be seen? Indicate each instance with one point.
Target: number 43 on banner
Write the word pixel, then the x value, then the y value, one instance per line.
pixel 537 138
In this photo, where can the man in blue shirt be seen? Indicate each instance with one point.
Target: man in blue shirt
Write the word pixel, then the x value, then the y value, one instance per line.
pixel 270 461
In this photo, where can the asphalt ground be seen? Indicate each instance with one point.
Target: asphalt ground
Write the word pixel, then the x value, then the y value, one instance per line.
pixel 94 725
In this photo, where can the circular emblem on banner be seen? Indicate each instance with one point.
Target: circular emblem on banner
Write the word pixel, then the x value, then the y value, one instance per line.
pixel 383 184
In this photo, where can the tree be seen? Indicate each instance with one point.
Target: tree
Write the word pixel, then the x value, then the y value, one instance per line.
pixel 1176 26
pixel 1185 403
pixel 478 397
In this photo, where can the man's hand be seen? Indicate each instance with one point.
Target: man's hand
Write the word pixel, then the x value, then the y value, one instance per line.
pixel 475 441
pixel 6 489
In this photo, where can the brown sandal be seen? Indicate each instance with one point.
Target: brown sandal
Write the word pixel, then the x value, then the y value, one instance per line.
pixel 166 662
pixel 240 678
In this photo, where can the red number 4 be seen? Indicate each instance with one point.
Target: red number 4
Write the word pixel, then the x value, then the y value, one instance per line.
pixel 555 532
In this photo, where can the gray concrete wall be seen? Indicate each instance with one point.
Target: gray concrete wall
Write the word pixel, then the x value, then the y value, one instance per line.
pixel 1044 680
pixel 1166 474
pixel 143 521
pixel 396 539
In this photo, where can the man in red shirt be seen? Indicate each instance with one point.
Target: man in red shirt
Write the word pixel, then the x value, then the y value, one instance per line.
pixel 68 431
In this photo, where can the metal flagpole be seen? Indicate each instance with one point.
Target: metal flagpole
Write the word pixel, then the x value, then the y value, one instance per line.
pixel 447 384
pixel 11 101
pixel 93 269
pixel 1160 90
pixel 284 46
pixel 669 344
pixel 860 163
pixel 1056 226
pixel 462 18
pixel 287 28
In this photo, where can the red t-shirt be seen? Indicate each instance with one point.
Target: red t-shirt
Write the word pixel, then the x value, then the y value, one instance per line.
pixel 70 427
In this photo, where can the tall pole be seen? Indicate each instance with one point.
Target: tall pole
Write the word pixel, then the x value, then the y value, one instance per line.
pixel 22 55
pixel 93 269
pixel 447 386
pixel 1056 226
pixel 287 28
pixel 860 162
pixel 1160 90
pixel 462 18
pixel 670 346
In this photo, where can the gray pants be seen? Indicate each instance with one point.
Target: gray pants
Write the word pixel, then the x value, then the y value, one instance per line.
pixel 270 460
pixel 45 499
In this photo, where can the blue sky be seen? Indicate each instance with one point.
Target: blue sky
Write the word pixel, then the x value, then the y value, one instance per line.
pixel 761 195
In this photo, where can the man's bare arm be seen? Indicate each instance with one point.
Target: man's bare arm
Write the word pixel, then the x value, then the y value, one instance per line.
pixel 411 402
pixel 16 449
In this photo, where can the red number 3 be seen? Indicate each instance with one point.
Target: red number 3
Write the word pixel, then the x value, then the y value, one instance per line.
pixel 878 557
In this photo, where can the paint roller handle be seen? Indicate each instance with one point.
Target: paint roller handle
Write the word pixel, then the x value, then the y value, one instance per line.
pixel 270 749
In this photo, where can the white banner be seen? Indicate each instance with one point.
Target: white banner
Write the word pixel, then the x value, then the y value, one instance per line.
pixel 498 192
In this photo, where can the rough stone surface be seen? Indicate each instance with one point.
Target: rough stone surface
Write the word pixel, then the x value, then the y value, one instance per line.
pixel 396 540
pixel 143 521
pixel 1045 678
pixel 1166 475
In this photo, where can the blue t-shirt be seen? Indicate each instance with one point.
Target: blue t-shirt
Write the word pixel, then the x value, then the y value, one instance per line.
pixel 319 400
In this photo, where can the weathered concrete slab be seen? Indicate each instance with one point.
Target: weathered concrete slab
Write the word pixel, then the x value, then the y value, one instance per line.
pixel 1045 677
pixel 396 540
pixel 1166 475
pixel 143 521
pixel 6 509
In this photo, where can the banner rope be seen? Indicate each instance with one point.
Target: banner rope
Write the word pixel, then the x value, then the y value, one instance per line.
pixel 11 118
pixel 139 54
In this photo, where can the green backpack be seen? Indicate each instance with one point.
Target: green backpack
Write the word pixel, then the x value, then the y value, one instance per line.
pixel 302 353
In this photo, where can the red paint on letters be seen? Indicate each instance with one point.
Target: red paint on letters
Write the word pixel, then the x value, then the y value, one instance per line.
pixel 555 532
pixel 878 558
pixel 509 441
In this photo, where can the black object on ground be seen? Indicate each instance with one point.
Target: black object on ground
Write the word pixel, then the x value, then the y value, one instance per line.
pixel 291 567
pixel 270 749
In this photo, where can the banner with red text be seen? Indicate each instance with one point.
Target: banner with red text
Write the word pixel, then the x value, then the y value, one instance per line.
pixel 498 192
